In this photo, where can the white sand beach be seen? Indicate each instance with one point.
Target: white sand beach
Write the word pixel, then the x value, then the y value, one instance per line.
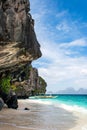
pixel 81 121
pixel 41 117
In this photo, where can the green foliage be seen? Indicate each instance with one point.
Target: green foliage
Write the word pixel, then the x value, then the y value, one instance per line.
pixel 42 82
pixel 30 67
pixel 13 87
pixel 27 71
pixel 5 84
pixel 43 85
pixel 42 88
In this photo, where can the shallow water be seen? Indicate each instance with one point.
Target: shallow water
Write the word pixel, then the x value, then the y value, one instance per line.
pixel 79 100
pixel 69 102
pixel 39 117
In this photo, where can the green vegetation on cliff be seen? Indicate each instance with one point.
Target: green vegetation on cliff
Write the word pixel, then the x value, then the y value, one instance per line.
pixel 19 47
pixel 25 82
pixel 5 84
pixel 42 87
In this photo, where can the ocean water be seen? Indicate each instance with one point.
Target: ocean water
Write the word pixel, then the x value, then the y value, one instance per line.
pixel 69 102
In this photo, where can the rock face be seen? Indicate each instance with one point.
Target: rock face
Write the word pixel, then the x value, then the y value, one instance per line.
pixel 9 99
pixel 32 85
pixel 18 48
pixel 1 103
pixel 18 42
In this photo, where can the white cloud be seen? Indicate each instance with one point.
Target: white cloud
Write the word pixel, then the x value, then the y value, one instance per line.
pixel 56 66
pixel 79 42
pixel 61 14
pixel 62 70
pixel 63 26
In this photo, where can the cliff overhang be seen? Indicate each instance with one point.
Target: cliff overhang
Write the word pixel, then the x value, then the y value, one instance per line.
pixel 18 42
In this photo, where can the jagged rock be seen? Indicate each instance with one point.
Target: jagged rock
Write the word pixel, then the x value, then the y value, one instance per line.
pixel 26 108
pixel 18 42
pixel 18 48
pixel 12 102
pixel 1 103
pixel 9 99
pixel 34 84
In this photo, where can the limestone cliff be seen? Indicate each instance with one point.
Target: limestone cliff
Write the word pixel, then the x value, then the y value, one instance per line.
pixel 18 42
pixel 18 48
pixel 32 85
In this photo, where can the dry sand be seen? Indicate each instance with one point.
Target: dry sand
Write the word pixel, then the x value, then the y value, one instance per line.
pixel 41 118
pixel 81 122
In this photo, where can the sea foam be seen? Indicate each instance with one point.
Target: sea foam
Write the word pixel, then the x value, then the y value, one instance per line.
pixel 71 108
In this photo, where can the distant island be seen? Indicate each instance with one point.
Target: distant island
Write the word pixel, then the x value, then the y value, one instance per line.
pixel 69 91
pixel 72 91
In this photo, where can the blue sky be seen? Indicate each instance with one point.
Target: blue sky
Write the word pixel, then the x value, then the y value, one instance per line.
pixel 61 29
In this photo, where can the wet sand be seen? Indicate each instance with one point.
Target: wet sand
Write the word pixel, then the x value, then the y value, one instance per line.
pixel 41 117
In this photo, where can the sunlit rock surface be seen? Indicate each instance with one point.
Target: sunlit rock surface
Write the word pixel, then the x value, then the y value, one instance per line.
pixel 18 42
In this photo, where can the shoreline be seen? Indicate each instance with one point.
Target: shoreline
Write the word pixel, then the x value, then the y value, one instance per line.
pixel 21 119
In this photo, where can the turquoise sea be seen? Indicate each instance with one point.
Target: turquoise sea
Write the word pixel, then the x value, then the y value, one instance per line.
pixel 78 102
